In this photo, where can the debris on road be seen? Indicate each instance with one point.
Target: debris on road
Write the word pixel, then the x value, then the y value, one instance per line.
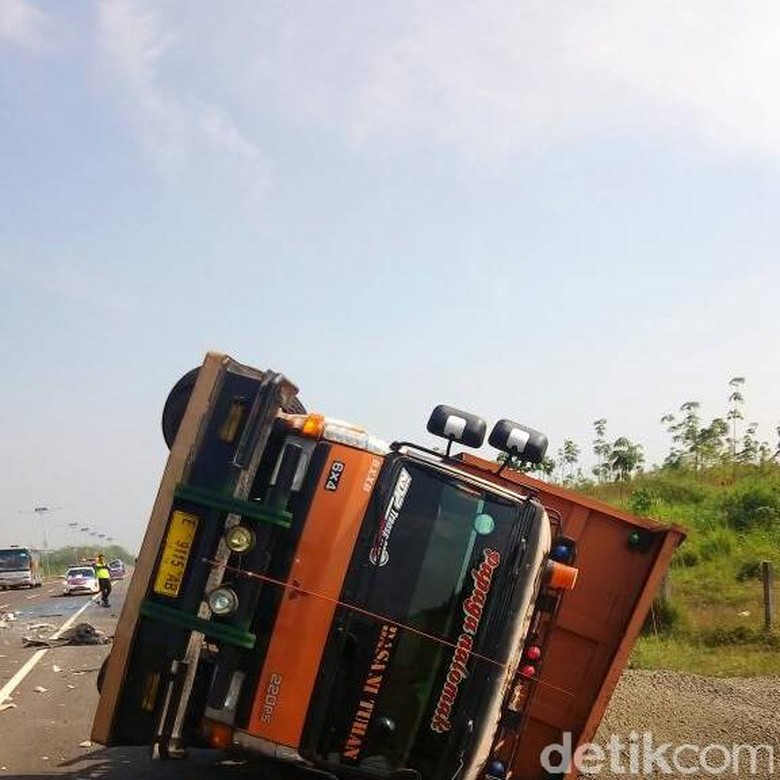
pixel 40 689
pixel 85 743
pixel 55 668
pixel 29 641
pixel 6 618
pixel 42 627
pixel 81 634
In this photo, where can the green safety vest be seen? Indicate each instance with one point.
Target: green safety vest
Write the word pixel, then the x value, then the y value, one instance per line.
pixel 102 572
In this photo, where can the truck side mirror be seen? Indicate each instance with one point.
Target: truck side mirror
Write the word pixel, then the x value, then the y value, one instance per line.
pixel 517 440
pixel 454 425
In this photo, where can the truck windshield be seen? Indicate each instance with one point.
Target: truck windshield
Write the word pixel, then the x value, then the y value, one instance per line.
pixel 14 560
pixel 436 572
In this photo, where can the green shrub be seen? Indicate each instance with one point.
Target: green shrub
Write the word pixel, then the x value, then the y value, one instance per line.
pixel 666 618
pixel 687 555
pixel 705 546
pixel 737 635
pixel 749 570
pixel 752 505
pixel 674 489
pixel 715 544
pixel 642 501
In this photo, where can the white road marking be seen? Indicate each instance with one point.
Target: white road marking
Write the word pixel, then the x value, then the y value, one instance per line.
pixel 14 682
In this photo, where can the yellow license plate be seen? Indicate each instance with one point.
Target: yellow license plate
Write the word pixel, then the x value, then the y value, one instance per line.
pixel 176 553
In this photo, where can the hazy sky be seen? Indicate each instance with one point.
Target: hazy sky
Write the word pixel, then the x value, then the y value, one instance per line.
pixel 552 212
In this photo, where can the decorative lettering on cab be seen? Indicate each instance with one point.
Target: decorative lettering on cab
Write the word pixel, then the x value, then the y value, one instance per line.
pixel 369 692
pixel 473 607
pixel 380 554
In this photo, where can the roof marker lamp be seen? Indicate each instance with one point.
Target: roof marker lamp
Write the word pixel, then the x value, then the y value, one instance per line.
pixel 496 770
pixel 640 540
pixel 454 425
pixel 316 426
pixel 222 601
pixel 239 539
pixel 561 576
pixel 564 550
pixel 309 425
pixel 533 652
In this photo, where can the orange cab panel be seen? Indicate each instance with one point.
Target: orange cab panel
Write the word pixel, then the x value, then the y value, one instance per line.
pixel 316 578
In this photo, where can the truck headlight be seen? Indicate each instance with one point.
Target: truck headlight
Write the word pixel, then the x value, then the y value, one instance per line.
pixel 222 601
pixel 239 539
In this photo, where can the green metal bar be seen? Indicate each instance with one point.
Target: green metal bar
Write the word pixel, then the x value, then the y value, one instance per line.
pixel 248 509
pixel 223 633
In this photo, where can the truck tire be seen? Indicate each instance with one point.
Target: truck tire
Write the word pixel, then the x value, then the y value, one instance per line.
pixel 178 398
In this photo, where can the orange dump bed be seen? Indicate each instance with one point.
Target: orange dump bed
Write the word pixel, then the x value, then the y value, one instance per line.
pixel 622 560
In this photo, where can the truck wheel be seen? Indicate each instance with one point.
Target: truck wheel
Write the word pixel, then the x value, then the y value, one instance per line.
pixel 178 398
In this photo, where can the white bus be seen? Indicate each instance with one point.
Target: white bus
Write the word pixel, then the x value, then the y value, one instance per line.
pixel 20 566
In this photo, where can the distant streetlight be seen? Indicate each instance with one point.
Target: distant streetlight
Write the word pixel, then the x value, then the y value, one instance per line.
pixel 41 510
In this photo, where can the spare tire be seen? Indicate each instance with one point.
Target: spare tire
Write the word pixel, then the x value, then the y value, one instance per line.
pixel 179 397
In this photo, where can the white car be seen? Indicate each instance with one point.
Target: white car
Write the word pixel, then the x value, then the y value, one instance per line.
pixel 81 579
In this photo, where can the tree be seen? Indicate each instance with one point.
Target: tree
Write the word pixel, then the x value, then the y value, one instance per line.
pixel 710 444
pixel 545 468
pixel 750 447
pixel 692 443
pixel 737 401
pixel 689 429
pixel 675 457
pixel 625 458
pixel 601 449
pixel 568 455
pixel 685 435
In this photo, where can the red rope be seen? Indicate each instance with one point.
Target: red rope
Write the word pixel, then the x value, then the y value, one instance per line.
pixel 368 613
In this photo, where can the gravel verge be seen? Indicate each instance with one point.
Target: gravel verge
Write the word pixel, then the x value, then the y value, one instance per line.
pixel 688 709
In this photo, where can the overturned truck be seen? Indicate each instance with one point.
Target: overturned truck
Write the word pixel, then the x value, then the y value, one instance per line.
pixel 332 604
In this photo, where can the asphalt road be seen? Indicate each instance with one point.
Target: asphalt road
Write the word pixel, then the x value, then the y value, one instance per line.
pixel 46 733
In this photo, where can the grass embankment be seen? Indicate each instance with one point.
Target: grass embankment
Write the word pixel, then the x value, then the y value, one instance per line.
pixel 713 622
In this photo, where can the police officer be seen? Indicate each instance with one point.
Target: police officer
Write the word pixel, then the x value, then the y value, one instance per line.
pixel 104 579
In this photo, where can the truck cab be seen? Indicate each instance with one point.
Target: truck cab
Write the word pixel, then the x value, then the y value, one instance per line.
pixel 324 601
